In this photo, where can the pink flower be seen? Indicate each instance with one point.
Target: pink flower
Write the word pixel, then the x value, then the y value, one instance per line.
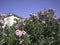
pixel 54 17
pixel 1 21
pixel 59 23
pixel 19 33
pixel 31 20
pixel 23 32
pixel 35 14
pixel 27 18
pixel 21 41
pixel 43 22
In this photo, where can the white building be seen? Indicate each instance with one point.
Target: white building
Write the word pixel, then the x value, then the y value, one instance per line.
pixel 10 19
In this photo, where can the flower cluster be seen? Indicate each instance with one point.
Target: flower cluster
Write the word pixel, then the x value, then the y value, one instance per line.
pixel 20 33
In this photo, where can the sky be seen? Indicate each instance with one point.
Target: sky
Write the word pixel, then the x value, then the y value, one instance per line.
pixel 24 7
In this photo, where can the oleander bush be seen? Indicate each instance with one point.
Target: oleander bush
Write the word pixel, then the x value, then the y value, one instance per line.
pixel 37 29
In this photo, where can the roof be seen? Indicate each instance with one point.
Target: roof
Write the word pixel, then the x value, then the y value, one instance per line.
pixel 11 14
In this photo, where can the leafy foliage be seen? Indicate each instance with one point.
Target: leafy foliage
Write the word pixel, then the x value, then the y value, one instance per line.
pixel 41 29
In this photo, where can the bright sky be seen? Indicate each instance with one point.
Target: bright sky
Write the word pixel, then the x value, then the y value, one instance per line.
pixel 24 7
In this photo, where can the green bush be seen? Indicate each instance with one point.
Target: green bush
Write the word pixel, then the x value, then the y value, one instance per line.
pixel 40 29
